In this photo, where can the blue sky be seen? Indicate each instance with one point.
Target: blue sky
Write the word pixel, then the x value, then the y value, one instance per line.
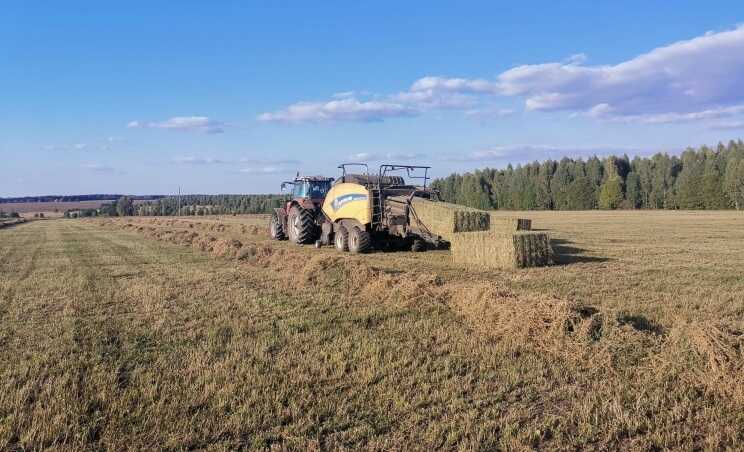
pixel 234 97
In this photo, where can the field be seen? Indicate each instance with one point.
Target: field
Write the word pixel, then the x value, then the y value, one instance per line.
pixel 201 333
pixel 49 209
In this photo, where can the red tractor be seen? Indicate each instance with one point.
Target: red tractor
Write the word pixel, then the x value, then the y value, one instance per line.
pixel 299 219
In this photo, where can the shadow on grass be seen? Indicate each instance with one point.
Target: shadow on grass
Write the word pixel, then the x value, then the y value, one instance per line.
pixel 565 253
pixel 640 323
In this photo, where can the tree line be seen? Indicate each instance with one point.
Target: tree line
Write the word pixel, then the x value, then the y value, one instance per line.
pixel 210 205
pixel 73 198
pixel 189 205
pixel 702 178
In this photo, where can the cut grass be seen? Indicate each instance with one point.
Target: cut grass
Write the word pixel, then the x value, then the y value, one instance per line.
pixel 111 339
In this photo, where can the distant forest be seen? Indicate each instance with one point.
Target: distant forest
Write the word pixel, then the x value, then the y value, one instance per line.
pixel 210 205
pixel 73 198
pixel 703 178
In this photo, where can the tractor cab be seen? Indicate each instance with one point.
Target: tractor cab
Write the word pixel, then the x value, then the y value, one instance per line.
pixel 314 188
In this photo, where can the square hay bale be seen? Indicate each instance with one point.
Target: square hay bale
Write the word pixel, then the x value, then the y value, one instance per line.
pixel 444 219
pixel 509 224
pixel 509 250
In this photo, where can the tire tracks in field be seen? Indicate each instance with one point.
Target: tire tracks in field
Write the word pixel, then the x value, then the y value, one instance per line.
pixel 29 269
pixel 11 251
pixel 17 277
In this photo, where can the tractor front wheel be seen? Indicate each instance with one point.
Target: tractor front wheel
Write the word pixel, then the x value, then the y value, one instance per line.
pixel 359 240
pixel 276 228
pixel 301 225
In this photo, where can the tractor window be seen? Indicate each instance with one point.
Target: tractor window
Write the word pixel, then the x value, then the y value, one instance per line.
pixel 299 190
pixel 311 189
pixel 318 189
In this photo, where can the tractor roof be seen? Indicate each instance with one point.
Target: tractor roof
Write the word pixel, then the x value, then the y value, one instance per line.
pixel 314 178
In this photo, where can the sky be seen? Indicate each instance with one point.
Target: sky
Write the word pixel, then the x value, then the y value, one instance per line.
pixel 237 96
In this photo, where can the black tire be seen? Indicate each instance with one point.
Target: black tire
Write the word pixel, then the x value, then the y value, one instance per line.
pixel 301 225
pixel 341 240
pixel 418 246
pixel 359 240
pixel 276 228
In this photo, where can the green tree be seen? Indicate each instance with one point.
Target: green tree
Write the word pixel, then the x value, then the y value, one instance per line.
pixel 543 198
pixel 690 194
pixel 125 206
pixel 611 193
pixel 712 181
pixel 732 183
pixel 559 184
pixel 633 190
pixel 581 194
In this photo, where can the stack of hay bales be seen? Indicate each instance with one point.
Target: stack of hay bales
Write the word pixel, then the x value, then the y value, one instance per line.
pixel 445 219
pixel 518 249
pixel 478 238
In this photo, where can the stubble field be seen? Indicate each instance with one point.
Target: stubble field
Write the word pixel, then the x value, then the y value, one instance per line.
pixel 201 333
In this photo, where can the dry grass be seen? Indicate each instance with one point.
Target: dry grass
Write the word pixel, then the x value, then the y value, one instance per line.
pixel 129 336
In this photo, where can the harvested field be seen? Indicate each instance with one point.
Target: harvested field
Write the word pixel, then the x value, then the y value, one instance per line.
pixel 201 333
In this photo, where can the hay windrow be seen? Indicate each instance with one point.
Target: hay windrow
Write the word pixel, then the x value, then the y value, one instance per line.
pixel 714 354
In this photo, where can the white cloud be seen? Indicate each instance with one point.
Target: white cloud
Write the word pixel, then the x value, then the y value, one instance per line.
pixel 278 161
pixel 604 111
pixel 424 100
pixel 191 160
pixel 391 157
pixel 361 156
pixel 730 125
pixel 459 85
pixel 687 77
pixel 267 170
pixel 344 94
pixel 260 163
pixel 348 109
pixel 66 147
pixel 489 113
pixel 98 167
pixel 694 80
pixel 525 153
pixel 190 123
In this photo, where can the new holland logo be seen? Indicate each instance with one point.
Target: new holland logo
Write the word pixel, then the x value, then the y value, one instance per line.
pixel 341 200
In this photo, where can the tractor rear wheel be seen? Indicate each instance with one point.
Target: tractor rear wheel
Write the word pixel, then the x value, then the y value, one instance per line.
pixel 359 240
pixel 342 239
pixel 276 228
pixel 301 223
